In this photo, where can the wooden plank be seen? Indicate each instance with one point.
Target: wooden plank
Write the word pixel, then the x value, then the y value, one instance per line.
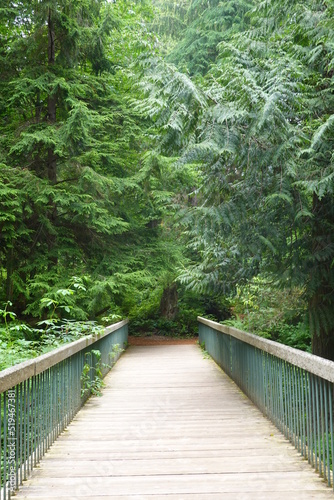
pixel 162 466
pixel 288 495
pixel 103 454
pixel 171 425
pixel 91 487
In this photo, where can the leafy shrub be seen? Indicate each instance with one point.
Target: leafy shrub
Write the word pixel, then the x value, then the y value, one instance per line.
pixel 274 313
pixel 297 336
pixel 145 319
pixel 20 342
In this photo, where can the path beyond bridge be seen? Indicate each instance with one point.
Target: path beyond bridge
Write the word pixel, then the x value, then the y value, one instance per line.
pixel 171 425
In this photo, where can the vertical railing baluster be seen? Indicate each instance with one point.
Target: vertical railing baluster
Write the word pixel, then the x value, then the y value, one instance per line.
pixel 67 391
pixel 293 402
pixel 299 409
pixel 311 419
pixel 318 423
pixel 290 411
pixel 322 425
pixel 277 392
pixel 29 429
pixel 49 407
pixel 5 446
pixel 53 403
pixel 303 413
pixel 20 434
pixel 37 420
pixel 17 436
pixel 314 416
pixel 25 429
pixel 281 402
pixel 44 407
pixel 331 430
pixel 1 443
pixel 327 469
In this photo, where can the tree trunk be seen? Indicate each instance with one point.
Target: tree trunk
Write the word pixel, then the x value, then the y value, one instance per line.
pixel 323 344
pixel 10 268
pixel 51 157
pixel 38 107
pixel 321 302
pixel 168 303
pixel 52 102
pixel 322 338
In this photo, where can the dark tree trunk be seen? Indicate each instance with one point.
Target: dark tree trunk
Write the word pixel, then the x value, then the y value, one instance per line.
pixel 321 302
pixel 38 108
pixel 168 303
pixel 323 344
pixel 319 309
pixel 51 156
pixel 52 101
pixel 10 268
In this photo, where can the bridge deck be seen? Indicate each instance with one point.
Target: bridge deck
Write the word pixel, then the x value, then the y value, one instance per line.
pixel 171 425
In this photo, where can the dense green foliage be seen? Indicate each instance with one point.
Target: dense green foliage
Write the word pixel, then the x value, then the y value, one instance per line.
pixel 262 308
pixel 207 25
pixel 192 30
pixel 147 144
pixel 77 195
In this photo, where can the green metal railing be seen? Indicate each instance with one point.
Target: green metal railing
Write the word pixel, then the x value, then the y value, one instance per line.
pixel 38 399
pixel 292 388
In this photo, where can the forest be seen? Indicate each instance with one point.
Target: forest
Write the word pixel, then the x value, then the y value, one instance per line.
pixel 161 160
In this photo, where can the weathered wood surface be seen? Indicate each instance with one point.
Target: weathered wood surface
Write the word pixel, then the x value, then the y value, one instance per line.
pixel 171 426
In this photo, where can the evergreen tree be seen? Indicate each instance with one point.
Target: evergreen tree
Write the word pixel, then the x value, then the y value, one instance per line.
pixel 169 22
pixel 71 148
pixel 207 24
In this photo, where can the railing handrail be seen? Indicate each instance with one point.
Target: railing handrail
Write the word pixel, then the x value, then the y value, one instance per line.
pixel 23 371
pixel 316 365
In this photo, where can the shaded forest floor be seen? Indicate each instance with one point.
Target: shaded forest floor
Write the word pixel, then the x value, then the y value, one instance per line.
pixel 159 340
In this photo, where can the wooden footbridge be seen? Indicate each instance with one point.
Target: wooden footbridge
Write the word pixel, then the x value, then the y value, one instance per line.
pixel 170 423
